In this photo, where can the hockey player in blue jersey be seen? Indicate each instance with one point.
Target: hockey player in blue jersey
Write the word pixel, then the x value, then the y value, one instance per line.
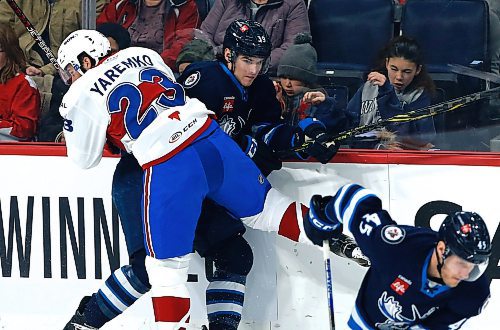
pixel 244 99
pixel 419 278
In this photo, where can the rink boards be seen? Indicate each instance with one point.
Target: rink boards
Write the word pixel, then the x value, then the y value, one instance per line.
pixel 61 237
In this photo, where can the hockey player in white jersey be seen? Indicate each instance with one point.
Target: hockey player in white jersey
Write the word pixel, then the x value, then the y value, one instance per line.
pixel 131 100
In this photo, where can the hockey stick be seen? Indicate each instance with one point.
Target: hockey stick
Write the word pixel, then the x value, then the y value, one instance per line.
pixel 329 284
pixel 35 35
pixel 414 115
pixel 469 72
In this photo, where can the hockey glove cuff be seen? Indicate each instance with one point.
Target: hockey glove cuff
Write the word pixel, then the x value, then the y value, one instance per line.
pixel 317 225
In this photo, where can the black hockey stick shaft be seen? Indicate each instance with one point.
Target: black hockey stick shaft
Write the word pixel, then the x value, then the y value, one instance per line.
pixel 31 29
pixel 329 283
pixel 417 114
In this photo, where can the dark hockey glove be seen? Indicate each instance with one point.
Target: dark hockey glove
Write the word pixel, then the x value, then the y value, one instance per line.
pixel 321 149
pixel 319 225
pixel 263 155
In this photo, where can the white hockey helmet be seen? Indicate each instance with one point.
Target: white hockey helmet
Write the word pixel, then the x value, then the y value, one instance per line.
pixel 92 42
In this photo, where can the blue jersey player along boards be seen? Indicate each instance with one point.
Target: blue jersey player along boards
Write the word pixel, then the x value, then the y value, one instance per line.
pixel 419 278
pixel 132 100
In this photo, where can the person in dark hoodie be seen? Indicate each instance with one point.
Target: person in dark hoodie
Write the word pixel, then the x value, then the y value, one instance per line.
pixel 399 84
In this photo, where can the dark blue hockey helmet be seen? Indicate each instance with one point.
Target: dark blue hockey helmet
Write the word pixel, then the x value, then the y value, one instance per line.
pixel 247 37
pixel 466 235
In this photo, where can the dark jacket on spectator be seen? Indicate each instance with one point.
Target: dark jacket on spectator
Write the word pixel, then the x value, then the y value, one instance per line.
pixel 383 102
pixel 282 19
pixel 182 16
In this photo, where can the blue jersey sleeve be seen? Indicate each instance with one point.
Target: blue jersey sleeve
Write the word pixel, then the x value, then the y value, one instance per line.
pixel 376 233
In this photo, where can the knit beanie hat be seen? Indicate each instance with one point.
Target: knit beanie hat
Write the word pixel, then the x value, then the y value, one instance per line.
pixel 117 32
pixel 194 51
pixel 299 60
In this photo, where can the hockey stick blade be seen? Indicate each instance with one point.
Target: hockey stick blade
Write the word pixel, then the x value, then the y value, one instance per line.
pixel 329 284
pixel 414 115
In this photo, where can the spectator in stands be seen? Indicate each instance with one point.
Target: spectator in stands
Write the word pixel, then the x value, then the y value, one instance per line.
pixel 19 97
pixel 298 92
pixel 495 35
pixel 162 25
pixel 194 51
pixel 282 19
pixel 399 84
pixel 54 20
pixel 118 36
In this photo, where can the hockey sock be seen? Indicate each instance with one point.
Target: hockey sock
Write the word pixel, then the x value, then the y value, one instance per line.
pixel 225 296
pixel 119 292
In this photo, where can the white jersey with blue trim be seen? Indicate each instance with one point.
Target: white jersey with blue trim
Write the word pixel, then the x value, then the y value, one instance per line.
pixel 397 292
pixel 131 100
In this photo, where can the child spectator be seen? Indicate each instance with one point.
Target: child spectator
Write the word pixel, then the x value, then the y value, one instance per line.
pixel 282 20
pixel 161 25
pixel 299 94
pixel 19 97
pixel 194 51
pixel 399 84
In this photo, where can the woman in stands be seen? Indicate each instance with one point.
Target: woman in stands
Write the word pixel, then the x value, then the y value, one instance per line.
pixel 282 20
pixel 19 97
pixel 399 84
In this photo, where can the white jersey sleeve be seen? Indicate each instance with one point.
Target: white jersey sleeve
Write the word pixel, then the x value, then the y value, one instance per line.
pixel 84 128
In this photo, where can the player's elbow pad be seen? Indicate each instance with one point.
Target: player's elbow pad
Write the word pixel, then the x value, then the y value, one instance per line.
pixel 352 201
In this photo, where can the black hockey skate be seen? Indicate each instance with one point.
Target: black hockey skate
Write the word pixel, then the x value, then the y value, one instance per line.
pixel 77 322
pixel 346 247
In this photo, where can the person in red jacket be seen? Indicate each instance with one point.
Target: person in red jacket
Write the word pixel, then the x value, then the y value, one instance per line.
pixel 161 25
pixel 19 96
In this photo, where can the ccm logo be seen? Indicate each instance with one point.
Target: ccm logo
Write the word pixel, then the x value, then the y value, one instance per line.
pixel 177 135
pixel 188 126
pixel 320 225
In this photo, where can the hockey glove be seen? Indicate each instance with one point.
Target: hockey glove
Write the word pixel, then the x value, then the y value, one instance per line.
pixel 313 129
pixel 318 225
pixel 263 155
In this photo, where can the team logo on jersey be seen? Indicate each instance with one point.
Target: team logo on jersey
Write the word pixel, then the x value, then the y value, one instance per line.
pixel 174 137
pixel 175 115
pixel 396 317
pixel 400 285
pixel 228 105
pixel 192 79
pixel 393 234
